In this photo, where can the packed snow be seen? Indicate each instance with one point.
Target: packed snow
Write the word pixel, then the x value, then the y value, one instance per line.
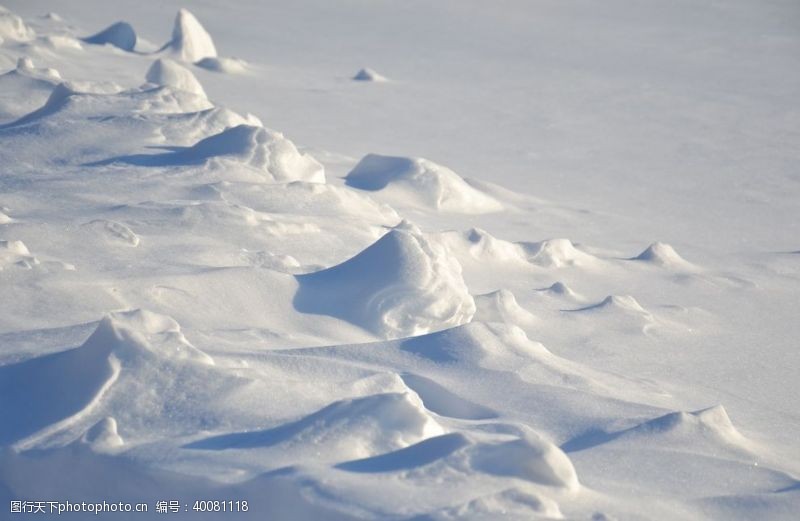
pixel 239 283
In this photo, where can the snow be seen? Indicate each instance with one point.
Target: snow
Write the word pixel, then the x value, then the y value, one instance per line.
pixel 166 72
pixel 190 41
pixel 415 179
pixel 368 75
pixel 120 34
pixel 242 279
pixel 403 285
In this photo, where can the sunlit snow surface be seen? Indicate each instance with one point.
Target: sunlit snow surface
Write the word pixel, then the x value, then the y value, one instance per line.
pixel 413 260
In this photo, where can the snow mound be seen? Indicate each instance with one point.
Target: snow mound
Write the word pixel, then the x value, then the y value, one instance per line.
pixel 103 436
pixel 662 254
pixel 220 64
pixel 712 424
pixel 55 391
pixel 479 245
pixel 352 428
pixel 621 303
pixel 420 181
pixel 57 100
pixel 263 149
pixel 190 41
pixel 140 332
pixel 502 306
pixel 512 503
pixel 37 85
pixel 61 41
pixel 167 72
pixel 444 402
pixel 557 253
pixel 402 285
pixel 560 289
pixel 367 74
pixel 15 253
pixel 120 34
pixel 12 27
pixel 530 458
pixel 14 247
pixel 25 66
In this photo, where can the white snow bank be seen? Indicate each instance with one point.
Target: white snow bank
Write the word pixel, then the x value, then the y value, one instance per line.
pixel 167 72
pixel 12 27
pixel 190 41
pixel 420 181
pixel 120 34
pixel 402 285
pixel 368 74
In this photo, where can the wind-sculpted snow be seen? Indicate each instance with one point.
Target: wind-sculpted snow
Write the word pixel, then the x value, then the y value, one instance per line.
pixel 420 181
pixel 190 41
pixel 168 73
pixel 194 306
pixel 369 75
pixel 402 285
pixel 12 27
pixel 35 82
pixel 120 34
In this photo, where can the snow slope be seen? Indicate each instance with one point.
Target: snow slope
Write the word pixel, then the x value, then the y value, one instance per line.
pixel 196 306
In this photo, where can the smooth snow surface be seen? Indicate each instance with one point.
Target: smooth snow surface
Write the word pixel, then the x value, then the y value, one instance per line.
pixel 317 320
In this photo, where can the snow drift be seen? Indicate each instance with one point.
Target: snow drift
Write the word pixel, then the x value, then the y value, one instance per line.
pixel 420 181
pixel 12 27
pixel 402 285
pixel 167 72
pixel 190 41
pixel 266 151
pixel 369 75
pixel 120 35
